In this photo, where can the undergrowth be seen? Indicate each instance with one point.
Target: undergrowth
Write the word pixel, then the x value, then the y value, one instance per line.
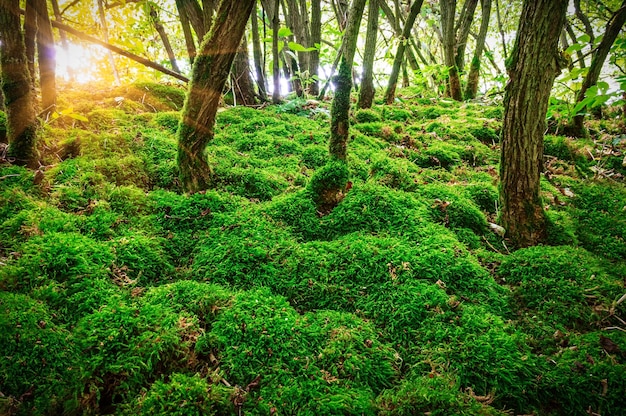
pixel 122 295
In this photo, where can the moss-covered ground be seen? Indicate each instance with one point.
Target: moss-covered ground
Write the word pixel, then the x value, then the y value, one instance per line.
pixel 121 295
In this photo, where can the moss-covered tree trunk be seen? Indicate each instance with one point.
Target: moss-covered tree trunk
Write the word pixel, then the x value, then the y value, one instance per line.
pixel 533 66
pixel 340 109
pixel 17 87
pixel 209 74
pixel 366 93
pixel 390 93
pixel 241 80
pixel 47 58
pixel 453 84
pixel 613 29
pixel 471 88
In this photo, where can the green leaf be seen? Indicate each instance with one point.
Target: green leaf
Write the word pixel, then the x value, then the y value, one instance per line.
pixel 573 48
pixel 284 32
pixel 603 86
pixel 78 117
pixel 584 38
pixel 296 47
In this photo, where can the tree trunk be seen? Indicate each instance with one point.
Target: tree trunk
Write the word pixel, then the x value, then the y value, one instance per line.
pixel 572 36
pixel 191 11
pixel 158 26
pixel 259 66
pixel 30 36
pixel 17 87
pixel 275 54
pixel 316 40
pixel 185 24
pixel 453 84
pixel 471 88
pixel 340 109
pixel 47 59
pixel 397 28
pixel 243 87
pixel 105 36
pixel 366 94
pixel 505 55
pixel 613 29
pixel 209 75
pixel 390 93
pixel 208 9
pixel 533 66
pixel 462 32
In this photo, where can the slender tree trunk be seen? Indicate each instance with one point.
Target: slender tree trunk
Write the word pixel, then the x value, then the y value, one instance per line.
pixel 366 94
pixel 30 36
pixel 453 84
pixel 462 32
pixel 259 66
pixel 316 40
pixel 471 88
pixel 397 28
pixel 47 59
pixel 191 11
pixel 209 75
pixel 64 44
pixel 340 109
pixel 158 26
pixel 208 10
pixel 585 21
pixel 533 66
pixel 185 24
pixel 613 29
pixel 243 86
pixel 17 87
pixel 275 53
pixel 572 36
pixel 501 30
pixel 105 35
pixel 390 93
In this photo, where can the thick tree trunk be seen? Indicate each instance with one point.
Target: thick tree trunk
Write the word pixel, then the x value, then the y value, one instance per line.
pixel 241 80
pixel 17 87
pixel 47 59
pixel 390 93
pixel 366 94
pixel 532 69
pixel 453 84
pixel 316 39
pixel 259 66
pixel 471 88
pixel 613 29
pixel 209 75
pixel 158 26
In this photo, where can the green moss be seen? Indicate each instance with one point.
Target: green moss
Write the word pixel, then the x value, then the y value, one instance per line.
pixel 440 154
pixel 453 209
pixel 40 366
pixel 167 121
pixel 366 115
pixel 396 114
pixel 141 259
pixel 185 395
pixel 562 288
pixel 3 127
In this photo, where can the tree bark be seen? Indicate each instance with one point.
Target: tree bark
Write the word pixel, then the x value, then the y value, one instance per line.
pixel 462 32
pixel 366 93
pixel 17 87
pixel 390 93
pixel 185 24
pixel 453 84
pixel 30 36
pixel 243 87
pixel 316 40
pixel 105 35
pixel 471 88
pixel 533 66
pixel 275 53
pixel 47 59
pixel 340 109
pixel 613 28
pixel 158 26
pixel 257 53
pixel 209 75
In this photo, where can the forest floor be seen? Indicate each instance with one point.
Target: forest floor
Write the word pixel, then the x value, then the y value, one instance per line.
pixel 120 294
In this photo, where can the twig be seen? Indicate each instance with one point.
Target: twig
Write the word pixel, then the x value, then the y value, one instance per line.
pixel 9 176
